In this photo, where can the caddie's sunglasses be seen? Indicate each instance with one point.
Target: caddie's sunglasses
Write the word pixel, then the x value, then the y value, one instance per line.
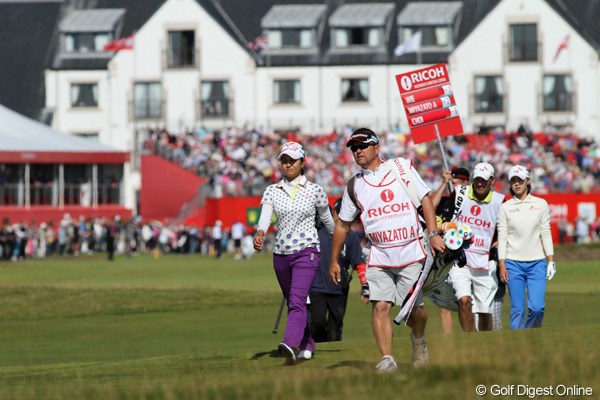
pixel 356 147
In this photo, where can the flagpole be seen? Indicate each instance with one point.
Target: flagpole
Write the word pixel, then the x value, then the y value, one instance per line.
pixel 443 153
pixel 419 57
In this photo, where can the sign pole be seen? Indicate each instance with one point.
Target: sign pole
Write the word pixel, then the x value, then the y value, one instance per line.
pixel 443 153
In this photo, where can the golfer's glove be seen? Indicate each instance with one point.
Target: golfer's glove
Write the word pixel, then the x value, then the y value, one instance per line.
pixel 550 270
pixel 364 290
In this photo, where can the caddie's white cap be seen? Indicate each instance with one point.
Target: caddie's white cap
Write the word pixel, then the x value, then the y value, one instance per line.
pixel 484 171
pixel 518 170
pixel 292 149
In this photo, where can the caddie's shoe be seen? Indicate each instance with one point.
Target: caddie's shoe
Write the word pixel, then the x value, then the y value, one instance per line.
pixel 387 364
pixel 305 355
pixel 420 355
pixel 290 354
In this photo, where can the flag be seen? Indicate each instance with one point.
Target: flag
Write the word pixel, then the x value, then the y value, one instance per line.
pixel 258 44
pixel 124 43
pixel 563 45
pixel 412 45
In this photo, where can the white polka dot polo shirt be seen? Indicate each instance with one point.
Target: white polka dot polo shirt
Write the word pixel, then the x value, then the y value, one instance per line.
pixel 295 206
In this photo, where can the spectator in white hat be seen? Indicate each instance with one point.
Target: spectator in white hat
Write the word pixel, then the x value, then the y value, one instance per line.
pixel 525 250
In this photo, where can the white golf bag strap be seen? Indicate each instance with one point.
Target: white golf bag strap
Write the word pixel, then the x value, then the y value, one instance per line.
pixel 400 167
pixel 460 196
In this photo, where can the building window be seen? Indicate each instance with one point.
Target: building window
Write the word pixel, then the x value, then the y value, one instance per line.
pixel 11 187
pixel 355 89
pixel 431 36
pixel 77 184
pixel 558 93
pixel 41 184
pixel 215 98
pixel 182 50
pixel 286 91
pixel 147 100
pixel 110 177
pixel 347 37
pixel 489 94
pixel 84 95
pixel 290 38
pixel 84 42
pixel 523 42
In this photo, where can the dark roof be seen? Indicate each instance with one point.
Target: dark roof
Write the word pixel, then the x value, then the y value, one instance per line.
pixel 583 16
pixel 94 20
pixel 137 14
pixel 28 36
pixel 429 13
pixel 294 16
pixel 26 41
pixel 247 16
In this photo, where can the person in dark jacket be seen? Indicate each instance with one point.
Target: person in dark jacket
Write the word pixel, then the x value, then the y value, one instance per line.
pixel 328 301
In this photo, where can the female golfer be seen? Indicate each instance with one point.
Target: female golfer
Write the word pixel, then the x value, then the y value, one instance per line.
pixel 525 250
pixel 295 202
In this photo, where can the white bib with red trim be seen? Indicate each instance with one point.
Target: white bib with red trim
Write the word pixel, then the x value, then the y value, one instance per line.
pixel 482 219
pixel 390 222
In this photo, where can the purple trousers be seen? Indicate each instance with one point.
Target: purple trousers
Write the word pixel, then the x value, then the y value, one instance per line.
pixel 296 273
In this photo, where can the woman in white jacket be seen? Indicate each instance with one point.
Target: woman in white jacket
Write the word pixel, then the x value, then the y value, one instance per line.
pixel 525 250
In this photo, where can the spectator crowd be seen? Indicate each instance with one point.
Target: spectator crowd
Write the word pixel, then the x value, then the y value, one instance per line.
pixel 238 161
pixel 74 237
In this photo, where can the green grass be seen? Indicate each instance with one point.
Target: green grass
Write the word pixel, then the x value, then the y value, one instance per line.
pixel 184 327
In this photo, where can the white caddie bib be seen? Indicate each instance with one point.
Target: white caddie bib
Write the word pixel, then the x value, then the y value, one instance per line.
pixel 482 219
pixel 390 222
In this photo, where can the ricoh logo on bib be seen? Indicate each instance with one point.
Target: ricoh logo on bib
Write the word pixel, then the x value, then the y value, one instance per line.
pixel 388 209
pixel 387 195
pixel 472 221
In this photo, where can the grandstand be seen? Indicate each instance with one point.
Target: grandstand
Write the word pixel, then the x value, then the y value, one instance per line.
pixel 238 162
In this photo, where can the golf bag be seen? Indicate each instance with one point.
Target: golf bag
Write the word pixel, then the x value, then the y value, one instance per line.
pixel 435 271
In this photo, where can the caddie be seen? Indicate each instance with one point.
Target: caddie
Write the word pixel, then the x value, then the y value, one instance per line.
pixel 477 206
pixel 387 196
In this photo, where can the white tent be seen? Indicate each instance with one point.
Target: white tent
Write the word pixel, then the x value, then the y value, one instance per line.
pixel 23 140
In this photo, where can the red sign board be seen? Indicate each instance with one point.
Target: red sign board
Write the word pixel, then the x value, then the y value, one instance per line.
pixel 428 101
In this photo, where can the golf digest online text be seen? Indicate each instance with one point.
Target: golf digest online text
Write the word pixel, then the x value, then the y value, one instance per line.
pixel 534 391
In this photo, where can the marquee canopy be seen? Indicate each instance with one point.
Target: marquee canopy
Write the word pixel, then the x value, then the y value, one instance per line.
pixel 23 140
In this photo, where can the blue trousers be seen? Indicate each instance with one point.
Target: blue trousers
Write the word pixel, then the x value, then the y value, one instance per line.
pixel 530 276
pixel 296 273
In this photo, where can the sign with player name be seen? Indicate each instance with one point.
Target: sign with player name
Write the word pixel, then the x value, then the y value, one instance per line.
pixel 429 101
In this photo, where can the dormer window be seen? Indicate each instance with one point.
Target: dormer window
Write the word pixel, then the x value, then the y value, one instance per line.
pixel 431 36
pixel 435 20
pixel 370 37
pixel 87 31
pixel 360 26
pixel 293 28
pixel 290 38
pixel 85 42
